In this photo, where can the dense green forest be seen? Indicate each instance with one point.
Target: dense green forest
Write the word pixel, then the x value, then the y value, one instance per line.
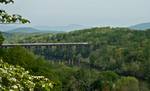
pixel 117 59
pixel 15 37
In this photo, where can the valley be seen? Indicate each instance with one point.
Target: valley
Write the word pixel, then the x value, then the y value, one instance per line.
pixel 115 56
pixel 74 45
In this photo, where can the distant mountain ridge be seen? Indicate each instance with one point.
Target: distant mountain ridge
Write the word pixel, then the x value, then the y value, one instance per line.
pixel 23 30
pixel 142 26
pixel 62 28
pixel 6 27
pixel 35 29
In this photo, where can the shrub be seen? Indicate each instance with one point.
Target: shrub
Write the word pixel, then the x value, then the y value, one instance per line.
pixel 127 84
pixel 16 78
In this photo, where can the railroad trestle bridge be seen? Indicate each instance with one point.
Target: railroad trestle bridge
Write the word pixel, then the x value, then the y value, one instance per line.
pixel 48 46
pixel 28 45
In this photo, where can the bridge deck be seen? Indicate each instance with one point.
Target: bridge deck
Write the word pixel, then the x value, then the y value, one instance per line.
pixel 44 44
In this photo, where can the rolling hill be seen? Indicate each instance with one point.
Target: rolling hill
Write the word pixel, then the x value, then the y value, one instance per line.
pixel 142 26
pixel 39 28
pixel 24 30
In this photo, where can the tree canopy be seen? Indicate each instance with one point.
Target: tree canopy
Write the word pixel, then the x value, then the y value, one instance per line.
pixel 15 78
pixel 1 39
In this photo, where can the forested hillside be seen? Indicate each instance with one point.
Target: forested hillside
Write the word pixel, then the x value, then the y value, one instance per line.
pixel 117 59
pixel 15 37
pixel 112 59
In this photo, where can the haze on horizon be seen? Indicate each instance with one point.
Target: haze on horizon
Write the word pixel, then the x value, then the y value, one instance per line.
pixel 84 12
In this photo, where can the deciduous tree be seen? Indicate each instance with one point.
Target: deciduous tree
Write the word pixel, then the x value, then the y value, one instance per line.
pixel 6 18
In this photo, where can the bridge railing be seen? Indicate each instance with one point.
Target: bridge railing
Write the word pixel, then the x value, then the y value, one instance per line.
pixel 43 44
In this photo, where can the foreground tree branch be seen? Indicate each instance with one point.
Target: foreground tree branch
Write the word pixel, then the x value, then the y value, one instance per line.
pixel 6 18
pixel 6 1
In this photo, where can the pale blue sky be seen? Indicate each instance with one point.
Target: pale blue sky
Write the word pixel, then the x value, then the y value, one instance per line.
pixel 84 12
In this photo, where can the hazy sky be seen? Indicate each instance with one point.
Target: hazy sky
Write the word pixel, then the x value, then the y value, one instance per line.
pixel 84 12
